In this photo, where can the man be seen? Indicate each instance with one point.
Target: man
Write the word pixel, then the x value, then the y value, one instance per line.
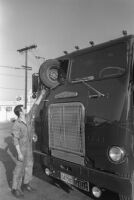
pixel 22 137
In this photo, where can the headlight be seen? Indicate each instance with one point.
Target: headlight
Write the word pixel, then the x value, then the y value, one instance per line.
pixel 116 154
pixel 35 138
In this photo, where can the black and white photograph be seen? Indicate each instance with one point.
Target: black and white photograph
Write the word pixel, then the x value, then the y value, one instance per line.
pixel 67 99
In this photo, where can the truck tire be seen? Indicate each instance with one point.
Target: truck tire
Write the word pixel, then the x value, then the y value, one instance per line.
pixel 48 73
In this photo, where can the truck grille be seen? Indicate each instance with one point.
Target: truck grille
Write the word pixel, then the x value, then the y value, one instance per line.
pixel 66 127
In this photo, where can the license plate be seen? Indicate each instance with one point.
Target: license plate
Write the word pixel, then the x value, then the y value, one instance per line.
pixel 66 178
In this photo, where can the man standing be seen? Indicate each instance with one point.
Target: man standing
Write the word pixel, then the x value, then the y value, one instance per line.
pixel 22 137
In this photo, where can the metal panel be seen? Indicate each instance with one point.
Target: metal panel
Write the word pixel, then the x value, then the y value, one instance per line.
pixel 66 127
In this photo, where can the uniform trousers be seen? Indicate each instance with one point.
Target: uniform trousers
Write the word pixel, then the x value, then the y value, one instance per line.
pixel 23 169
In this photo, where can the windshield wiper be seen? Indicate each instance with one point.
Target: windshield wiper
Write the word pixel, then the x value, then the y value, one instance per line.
pixel 88 78
pixel 99 94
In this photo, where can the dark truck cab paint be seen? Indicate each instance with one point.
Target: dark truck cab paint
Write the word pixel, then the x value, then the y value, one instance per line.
pixel 85 125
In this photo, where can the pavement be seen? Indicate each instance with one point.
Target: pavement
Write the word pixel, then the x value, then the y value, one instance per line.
pixel 45 187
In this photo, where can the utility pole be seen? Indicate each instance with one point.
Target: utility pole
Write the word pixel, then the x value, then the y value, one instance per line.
pixel 26 49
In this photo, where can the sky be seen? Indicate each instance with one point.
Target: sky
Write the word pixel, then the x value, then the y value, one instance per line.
pixel 54 26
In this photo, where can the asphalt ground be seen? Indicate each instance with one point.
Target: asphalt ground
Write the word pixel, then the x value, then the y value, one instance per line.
pixel 45 187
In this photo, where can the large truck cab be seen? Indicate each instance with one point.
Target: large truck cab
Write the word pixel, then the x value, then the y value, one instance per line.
pixel 85 128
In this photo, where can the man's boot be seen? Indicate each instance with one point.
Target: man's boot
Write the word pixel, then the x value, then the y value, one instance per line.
pixel 17 193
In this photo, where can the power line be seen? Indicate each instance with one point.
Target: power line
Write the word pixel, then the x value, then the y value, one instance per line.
pixel 10 88
pixel 39 57
pixel 17 76
pixel 37 60
pixel 10 67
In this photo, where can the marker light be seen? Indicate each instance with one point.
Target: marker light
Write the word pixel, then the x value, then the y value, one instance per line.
pixel 116 154
pixel 47 171
pixel 96 192
pixel 35 138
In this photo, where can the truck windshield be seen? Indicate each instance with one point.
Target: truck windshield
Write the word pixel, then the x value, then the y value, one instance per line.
pixel 98 64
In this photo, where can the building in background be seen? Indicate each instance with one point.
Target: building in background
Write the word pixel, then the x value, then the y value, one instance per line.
pixel 7 107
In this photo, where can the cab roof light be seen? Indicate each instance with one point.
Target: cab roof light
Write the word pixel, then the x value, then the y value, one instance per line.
pixel 65 52
pixel 124 32
pixel 77 47
pixel 92 43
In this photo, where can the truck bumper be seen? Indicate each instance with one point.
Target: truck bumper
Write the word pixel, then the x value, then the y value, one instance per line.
pixel 114 183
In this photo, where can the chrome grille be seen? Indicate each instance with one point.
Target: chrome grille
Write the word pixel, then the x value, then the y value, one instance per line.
pixel 66 127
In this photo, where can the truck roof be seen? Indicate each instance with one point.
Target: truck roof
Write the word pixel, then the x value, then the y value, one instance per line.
pixel 95 47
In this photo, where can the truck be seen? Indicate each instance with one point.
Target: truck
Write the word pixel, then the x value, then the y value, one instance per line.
pixel 85 123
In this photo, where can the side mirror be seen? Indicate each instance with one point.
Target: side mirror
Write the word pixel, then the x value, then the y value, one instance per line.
pixel 35 84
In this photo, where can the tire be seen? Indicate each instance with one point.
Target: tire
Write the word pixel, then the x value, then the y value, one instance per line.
pixel 48 73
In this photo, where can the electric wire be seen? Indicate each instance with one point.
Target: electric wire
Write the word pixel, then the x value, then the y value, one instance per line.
pixel 17 76
pixel 10 88
pixel 34 55
pixel 10 67
pixel 32 58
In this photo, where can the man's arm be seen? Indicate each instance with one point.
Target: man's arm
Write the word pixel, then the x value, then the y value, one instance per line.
pixel 38 100
pixel 36 103
pixel 20 155
pixel 31 114
pixel 16 137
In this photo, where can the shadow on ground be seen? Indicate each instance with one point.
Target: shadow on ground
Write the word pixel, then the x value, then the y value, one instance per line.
pixel 7 157
pixel 40 173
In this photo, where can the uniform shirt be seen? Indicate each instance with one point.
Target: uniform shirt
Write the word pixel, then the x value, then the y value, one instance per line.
pixel 23 132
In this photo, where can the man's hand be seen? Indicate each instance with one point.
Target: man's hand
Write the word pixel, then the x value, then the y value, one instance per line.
pixel 20 157
pixel 43 92
pixel 40 96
